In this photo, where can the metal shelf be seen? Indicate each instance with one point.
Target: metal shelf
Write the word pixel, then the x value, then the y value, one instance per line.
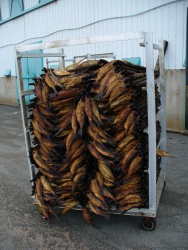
pixel 146 40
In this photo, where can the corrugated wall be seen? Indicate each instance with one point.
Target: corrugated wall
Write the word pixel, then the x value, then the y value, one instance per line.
pixel 64 19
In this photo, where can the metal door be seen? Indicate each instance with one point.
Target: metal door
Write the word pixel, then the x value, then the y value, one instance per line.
pixel 31 67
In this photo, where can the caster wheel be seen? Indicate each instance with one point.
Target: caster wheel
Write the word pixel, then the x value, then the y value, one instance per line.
pixel 148 223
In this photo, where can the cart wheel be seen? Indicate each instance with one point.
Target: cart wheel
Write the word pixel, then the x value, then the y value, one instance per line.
pixel 149 223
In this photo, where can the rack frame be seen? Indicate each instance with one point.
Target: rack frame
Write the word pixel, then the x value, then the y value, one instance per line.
pixel 146 40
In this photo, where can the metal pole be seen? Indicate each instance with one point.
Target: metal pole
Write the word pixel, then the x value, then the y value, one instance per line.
pixel 163 100
pixel 61 59
pixel 24 116
pixel 186 92
pixel 151 119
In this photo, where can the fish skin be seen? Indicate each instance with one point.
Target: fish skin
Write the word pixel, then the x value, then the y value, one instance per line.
pixel 39 200
pixel 63 133
pixel 125 208
pixel 128 147
pixel 88 109
pixel 163 153
pixel 55 80
pixel 61 102
pixel 73 82
pixel 128 157
pixel 133 127
pixel 77 178
pixel 45 93
pixel 64 185
pixel 104 70
pixel 87 216
pixel 117 91
pixel 63 117
pixel 130 201
pixel 101 132
pixel 93 135
pixel 50 83
pixel 44 155
pixel 38 186
pixel 97 202
pixel 69 141
pixel 69 206
pixel 48 143
pixel 103 83
pixel 134 166
pixel 66 195
pixel 95 111
pixel 46 184
pixel 95 188
pixel 38 90
pixel 129 121
pixel 123 143
pixel 65 110
pixel 80 115
pixel 64 95
pixel 121 118
pixel 120 101
pixel 103 150
pixel 76 144
pixel 51 210
pixel 114 81
pixel 98 211
pixel 120 136
pixel 77 153
pixel 106 172
pixel 100 180
pixel 49 175
pixel 38 127
pixel 64 125
pixel 75 164
pixel 86 65
pixel 39 161
pixel 38 117
pixel 38 135
pixel 95 153
pixel 45 111
pixel 109 195
pixel 132 190
pixel 74 123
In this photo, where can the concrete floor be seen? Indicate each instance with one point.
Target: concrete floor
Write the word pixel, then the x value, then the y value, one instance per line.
pixel 21 227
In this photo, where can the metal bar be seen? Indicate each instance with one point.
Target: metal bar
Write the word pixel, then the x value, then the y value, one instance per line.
pixel 163 101
pixel 61 59
pixel 35 55
pixel 24 116
pixel 27 92
pixel 53 61
pixel 146 212
pixel 82 41
pixel 155 46
pixel 186 73
pixel 151 119
pixel 160 185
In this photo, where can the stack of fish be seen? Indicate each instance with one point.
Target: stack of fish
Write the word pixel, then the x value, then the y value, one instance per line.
pixel 89 146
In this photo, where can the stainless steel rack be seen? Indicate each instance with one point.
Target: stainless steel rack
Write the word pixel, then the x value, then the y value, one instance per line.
pixel 145 40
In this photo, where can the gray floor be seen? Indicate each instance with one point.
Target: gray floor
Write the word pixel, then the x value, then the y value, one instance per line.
pixel 21 227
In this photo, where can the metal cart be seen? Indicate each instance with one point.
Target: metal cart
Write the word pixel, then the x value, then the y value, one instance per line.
pixel 145 39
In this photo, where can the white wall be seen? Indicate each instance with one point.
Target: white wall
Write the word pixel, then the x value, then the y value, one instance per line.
pixel 64 19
